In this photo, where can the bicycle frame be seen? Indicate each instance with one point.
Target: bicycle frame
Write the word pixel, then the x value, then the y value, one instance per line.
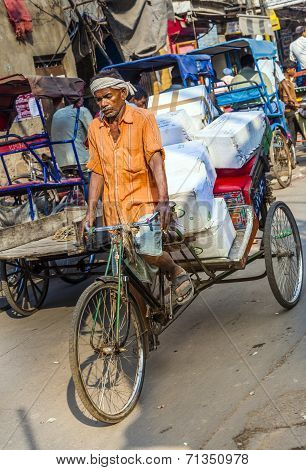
pixel 123 275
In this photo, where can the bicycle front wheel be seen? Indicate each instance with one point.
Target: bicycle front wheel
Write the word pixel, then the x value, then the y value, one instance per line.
pixel 107 352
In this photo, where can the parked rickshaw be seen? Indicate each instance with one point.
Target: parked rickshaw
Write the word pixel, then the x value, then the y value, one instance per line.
pixel 282 152
pixel 48 198
pixel 119 318
pixel 189 68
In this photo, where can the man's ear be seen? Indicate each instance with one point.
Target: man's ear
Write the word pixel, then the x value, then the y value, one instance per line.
pixel 124 93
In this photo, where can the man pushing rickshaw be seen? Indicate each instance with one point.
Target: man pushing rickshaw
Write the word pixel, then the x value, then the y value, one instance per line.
pixel 127 164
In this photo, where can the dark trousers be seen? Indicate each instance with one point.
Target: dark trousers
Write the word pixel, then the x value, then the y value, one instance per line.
pixel 292 125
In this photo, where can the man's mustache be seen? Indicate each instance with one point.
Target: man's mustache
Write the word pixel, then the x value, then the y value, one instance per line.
pixel 106 108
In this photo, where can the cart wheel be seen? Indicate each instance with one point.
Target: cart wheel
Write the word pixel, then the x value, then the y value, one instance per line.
pixel 281 158
pixel 107 365
pixel 73 276
pixel 25 284
pixel 283 255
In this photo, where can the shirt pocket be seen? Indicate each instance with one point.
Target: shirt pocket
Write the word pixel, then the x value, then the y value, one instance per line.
pixel 133 160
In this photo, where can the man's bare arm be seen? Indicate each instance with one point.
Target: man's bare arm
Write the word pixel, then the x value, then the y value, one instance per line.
pixel 158 169
pixel 288 93
pixel 95 192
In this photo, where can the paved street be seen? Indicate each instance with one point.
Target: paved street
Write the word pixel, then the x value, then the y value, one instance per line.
pixel 230 373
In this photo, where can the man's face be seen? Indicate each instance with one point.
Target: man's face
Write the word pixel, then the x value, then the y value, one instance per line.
pixel 304 33
pixel 141 103
pixel 110 101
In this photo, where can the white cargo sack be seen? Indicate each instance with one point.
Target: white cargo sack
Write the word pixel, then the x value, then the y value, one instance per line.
pixel 172 134
pixel 188 168
pixel 175 127
pixel 232 138
pixel 218 239
pixel 193 216
pixel 194 100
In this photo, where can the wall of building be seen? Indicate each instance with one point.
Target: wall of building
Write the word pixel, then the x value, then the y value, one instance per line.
pixel 17 56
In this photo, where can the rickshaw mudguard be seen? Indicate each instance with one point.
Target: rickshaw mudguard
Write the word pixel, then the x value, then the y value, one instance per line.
pixel 277 125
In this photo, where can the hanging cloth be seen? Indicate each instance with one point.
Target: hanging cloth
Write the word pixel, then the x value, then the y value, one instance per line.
pixel 19 17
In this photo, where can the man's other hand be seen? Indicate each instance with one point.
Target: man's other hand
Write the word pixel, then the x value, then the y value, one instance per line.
pixel 164 214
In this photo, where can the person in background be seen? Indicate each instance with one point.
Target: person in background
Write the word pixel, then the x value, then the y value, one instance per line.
pixel 248 73
pixel 274 73
pixel 140 98
pixel 176 80
pixel 294 116
pixel 227 76
pixel 62 128
pixel 298 48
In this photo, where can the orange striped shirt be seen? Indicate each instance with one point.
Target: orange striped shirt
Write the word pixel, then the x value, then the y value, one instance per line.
pixel 130 190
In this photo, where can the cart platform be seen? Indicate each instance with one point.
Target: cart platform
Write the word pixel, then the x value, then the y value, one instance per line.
pixel 34 240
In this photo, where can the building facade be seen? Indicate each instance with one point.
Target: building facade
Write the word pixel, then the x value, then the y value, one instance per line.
pixel 41 49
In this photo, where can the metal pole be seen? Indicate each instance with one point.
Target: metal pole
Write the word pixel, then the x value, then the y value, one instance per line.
pixel 193 26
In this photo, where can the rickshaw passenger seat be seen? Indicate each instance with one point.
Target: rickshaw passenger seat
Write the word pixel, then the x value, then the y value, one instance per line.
pixel 234 183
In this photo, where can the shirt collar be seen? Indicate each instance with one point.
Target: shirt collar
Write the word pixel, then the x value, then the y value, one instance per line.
pixel 127 116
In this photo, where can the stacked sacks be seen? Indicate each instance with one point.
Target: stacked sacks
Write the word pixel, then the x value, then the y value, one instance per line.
pixel 175 127
pixel 191 179
pixel 194 100
pixel 201 217
pixel 232 138
pixel 191 176
pixel 218 239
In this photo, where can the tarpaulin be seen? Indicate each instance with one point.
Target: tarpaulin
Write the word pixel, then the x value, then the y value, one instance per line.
pixel 140 26
pixel 19 16
pixel 253 25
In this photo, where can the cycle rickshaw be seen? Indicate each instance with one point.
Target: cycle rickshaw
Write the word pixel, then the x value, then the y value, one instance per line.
pixel 282 151
pixel 119 318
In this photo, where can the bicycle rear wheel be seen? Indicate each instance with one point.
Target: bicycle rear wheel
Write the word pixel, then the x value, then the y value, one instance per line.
pixel 281 158
pixel 107 355
pixel 283 255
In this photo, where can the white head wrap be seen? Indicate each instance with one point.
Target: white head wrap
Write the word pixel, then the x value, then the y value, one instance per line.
pixel 110 82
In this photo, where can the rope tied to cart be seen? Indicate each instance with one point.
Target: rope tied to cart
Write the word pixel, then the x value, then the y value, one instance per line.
pixel 65 234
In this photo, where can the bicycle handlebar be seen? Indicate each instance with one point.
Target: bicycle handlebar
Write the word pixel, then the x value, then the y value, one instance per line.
pixel 120 226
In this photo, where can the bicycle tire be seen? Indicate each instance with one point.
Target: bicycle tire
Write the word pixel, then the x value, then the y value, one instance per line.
pixel 276 244
pixel 52 193
pixel 16 283
pixel 79 325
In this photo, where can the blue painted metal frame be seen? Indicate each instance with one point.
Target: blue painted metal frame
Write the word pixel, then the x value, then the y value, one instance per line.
pixel 259 50
pixel 39 141
pixel 189 67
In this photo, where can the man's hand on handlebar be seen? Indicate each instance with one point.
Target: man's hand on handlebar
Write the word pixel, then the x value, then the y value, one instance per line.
pixel 90 219
pixel 164 213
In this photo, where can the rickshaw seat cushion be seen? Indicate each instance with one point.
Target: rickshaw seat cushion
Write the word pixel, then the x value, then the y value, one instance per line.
pixel 16 187
pixel 243 171
pixel 21 188
pixel 229 184
pixel 15 145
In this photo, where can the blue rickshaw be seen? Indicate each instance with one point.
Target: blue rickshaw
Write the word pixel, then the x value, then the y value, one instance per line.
pixel 254 95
